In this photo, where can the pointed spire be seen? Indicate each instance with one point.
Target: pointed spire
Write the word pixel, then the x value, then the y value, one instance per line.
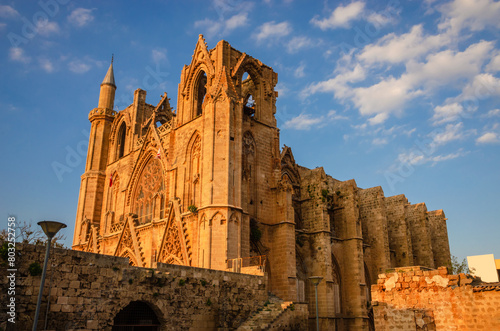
pixel 110 76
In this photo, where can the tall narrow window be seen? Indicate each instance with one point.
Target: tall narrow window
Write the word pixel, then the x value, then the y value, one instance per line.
pixel 121 140
pixel 201 90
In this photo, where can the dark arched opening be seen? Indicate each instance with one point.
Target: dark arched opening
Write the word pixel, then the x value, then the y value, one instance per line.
pixel 248 89
pixel 137 316
pixel 201 90
pixel 121 140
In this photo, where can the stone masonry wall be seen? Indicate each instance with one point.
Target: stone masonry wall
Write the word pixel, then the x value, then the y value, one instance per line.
pixel 415 299
pixel 88 290
pixel 372 213
pixel 399 233
pixel 440 243
pixel 420 234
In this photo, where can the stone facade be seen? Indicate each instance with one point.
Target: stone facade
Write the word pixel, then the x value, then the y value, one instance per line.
pixel 208 186
pixel 414 298
pixel 87 291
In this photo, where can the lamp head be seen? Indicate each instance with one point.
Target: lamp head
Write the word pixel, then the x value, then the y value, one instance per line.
pixel 315 280
pixel 50 228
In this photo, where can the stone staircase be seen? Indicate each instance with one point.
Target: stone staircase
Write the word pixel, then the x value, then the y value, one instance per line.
pixel 266 315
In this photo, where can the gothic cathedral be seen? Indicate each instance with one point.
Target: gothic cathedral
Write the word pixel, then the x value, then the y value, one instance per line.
pixel 208 186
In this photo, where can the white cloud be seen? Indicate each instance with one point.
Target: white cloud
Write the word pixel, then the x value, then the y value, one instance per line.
pixel 303 122
pixel 78 67
pixel 236 21
pixel 273 30
pixel 472 14
pixel 7 11
pixel 494 64
pixel 492 113
pixel 481 87
pixel 450 133
pixel 299 72
pixel 2 26
pixel 222 27
pixel 333 116
pixel 379 141
pixel 338 84
pixel 488 138
pixel 386 97
pixel 417 157
pixel 447 113
pixel 211 27
pixel 306 121
pixel 81 17
pixel 282 89
pixel 298 43
pixel 447 67
pixel 341 17
pixel 17 54
pixel 46 65
pixel 396 49
pixel 47 28
pixel 159 54
pixel 378 19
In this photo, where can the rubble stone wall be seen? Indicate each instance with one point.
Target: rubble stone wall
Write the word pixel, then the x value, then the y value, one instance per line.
pixel 416 299
pixel 86 292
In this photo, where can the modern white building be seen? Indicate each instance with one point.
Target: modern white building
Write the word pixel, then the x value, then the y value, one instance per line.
pixel 485 266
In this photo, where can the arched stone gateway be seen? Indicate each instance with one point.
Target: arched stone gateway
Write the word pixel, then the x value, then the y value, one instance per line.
pixel 137 316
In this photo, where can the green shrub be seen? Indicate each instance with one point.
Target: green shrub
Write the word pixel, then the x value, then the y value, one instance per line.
pixel 35 269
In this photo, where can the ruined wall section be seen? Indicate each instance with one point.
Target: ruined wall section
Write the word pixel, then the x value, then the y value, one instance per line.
pixel 439 237
pixel 399 231
pixel 418 222
pixel 414 298
pixel 347 224
pixel 87 291
pixel 372 212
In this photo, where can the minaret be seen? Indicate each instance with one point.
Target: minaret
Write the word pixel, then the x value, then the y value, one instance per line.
pixel 93 180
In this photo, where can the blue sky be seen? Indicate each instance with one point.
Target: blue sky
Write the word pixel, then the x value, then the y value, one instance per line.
pixel 403 95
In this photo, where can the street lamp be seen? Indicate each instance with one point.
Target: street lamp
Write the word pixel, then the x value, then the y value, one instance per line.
pixel 50 228
pixel 315 280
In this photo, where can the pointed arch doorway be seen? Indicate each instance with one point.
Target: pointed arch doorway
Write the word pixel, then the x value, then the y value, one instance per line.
pixel 137 316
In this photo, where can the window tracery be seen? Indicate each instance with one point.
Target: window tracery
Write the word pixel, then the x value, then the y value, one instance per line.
pixel 149 201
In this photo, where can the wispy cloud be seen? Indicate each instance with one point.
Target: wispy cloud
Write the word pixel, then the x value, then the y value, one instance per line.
pixel 306 121
pixel 474 15
pixel 418 158
pixel 79 67
pixel 17 54
pixel 341 17
pixel 272 30
pixel 399 49
pixel 46 65
pixel 159 55
pixel 492 113
pixel 81 17
pixel 7 11
pixel 47 28
pixel 299 71
pixel 298 43
pixel 488 138
pixel 222 26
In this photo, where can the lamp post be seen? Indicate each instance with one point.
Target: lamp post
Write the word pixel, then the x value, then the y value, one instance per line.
pixel 315 280
pixel 50 228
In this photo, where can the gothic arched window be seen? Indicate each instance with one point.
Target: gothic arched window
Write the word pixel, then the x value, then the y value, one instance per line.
pixel 194 158
pixel 120 147
pixel 148 201
pixel 200 92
